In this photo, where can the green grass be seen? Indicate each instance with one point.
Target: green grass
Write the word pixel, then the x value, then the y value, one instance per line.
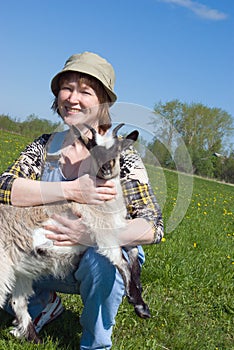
pixel 188 280
pixel 10 148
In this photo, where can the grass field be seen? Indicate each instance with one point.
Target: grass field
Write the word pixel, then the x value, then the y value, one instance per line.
pixel 188 279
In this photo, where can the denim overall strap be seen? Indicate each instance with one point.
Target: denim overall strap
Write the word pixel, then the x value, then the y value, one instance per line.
pixel 52 171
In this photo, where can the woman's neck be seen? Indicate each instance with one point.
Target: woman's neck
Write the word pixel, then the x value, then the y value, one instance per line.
pixel 74 160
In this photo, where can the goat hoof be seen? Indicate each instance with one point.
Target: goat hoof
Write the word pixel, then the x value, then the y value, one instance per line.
pixel 34 339
pixel 32 335
pixel 142 311
pixel 16 333
pixel 30 338
pixel 37 340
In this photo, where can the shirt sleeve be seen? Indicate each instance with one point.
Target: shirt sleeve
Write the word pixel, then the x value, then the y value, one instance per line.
pixel 28 165
pixel 138 193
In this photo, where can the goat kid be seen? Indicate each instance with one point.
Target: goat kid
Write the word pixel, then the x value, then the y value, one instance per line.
pixel 26 254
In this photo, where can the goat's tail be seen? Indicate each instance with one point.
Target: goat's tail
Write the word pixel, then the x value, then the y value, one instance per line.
pixel 7 277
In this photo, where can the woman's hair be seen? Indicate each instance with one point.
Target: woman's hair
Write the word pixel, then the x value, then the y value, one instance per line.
pixel 104 119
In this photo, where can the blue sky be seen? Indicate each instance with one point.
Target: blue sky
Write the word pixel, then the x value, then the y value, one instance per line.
pixel 160 49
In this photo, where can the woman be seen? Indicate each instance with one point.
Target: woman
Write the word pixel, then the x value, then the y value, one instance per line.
pixel 83 92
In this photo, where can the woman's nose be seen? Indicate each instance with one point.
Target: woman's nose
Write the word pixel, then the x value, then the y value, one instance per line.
pixel 74 97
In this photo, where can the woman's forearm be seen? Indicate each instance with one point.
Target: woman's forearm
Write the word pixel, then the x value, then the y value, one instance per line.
pixel 27 192
pixel 137 232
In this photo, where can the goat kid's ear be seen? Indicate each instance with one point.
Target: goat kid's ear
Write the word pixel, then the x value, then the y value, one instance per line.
pixel 130 139
pixel 133 135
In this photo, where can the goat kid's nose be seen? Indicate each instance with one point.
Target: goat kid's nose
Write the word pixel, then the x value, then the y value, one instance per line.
pixel 106 169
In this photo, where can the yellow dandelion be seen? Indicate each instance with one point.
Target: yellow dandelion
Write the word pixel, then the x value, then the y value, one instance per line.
pixel 195 245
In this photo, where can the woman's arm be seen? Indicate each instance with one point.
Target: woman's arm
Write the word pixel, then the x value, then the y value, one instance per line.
pixel 26 192
pixel 139 197
pixel 73 232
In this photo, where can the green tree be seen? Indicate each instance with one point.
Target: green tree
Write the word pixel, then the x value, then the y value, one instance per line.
pixel 228 168
pixel 166 120
pixel 202 129
pixel 32 126
pixel 162 154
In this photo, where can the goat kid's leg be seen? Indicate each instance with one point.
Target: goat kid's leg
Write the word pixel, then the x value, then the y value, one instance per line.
pixel 135 266
pixel 133 291
pixel 141 308
pixel 19 302
pixel 131 279
pixel 7 277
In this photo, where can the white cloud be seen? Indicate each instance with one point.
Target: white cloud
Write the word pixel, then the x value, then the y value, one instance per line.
pixel 199 9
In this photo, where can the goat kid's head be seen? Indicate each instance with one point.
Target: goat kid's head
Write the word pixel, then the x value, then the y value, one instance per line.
pixel 105 149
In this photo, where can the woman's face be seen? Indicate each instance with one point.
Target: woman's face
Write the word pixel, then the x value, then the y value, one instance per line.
pixel 77 102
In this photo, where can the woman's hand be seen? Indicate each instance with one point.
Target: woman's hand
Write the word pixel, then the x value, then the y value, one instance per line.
pixel 74 232
pixel 68 232
pixel 89 190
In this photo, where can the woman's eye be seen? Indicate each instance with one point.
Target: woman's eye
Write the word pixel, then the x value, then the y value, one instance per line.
pixel 86 92
pixel 65 88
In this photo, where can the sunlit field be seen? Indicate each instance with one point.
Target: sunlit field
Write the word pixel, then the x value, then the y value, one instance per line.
pixel 10 147
pixel 188 279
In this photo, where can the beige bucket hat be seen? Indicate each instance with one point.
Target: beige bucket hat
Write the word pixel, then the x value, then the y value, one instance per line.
pixel 92 64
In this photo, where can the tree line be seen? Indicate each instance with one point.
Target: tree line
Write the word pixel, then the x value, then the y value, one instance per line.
pixel 203 131
pixel 32 126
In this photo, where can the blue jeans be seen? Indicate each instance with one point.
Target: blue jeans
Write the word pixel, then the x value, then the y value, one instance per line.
pixel 101 288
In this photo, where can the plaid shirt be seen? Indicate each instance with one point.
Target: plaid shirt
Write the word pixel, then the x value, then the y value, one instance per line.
pixel 138 194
